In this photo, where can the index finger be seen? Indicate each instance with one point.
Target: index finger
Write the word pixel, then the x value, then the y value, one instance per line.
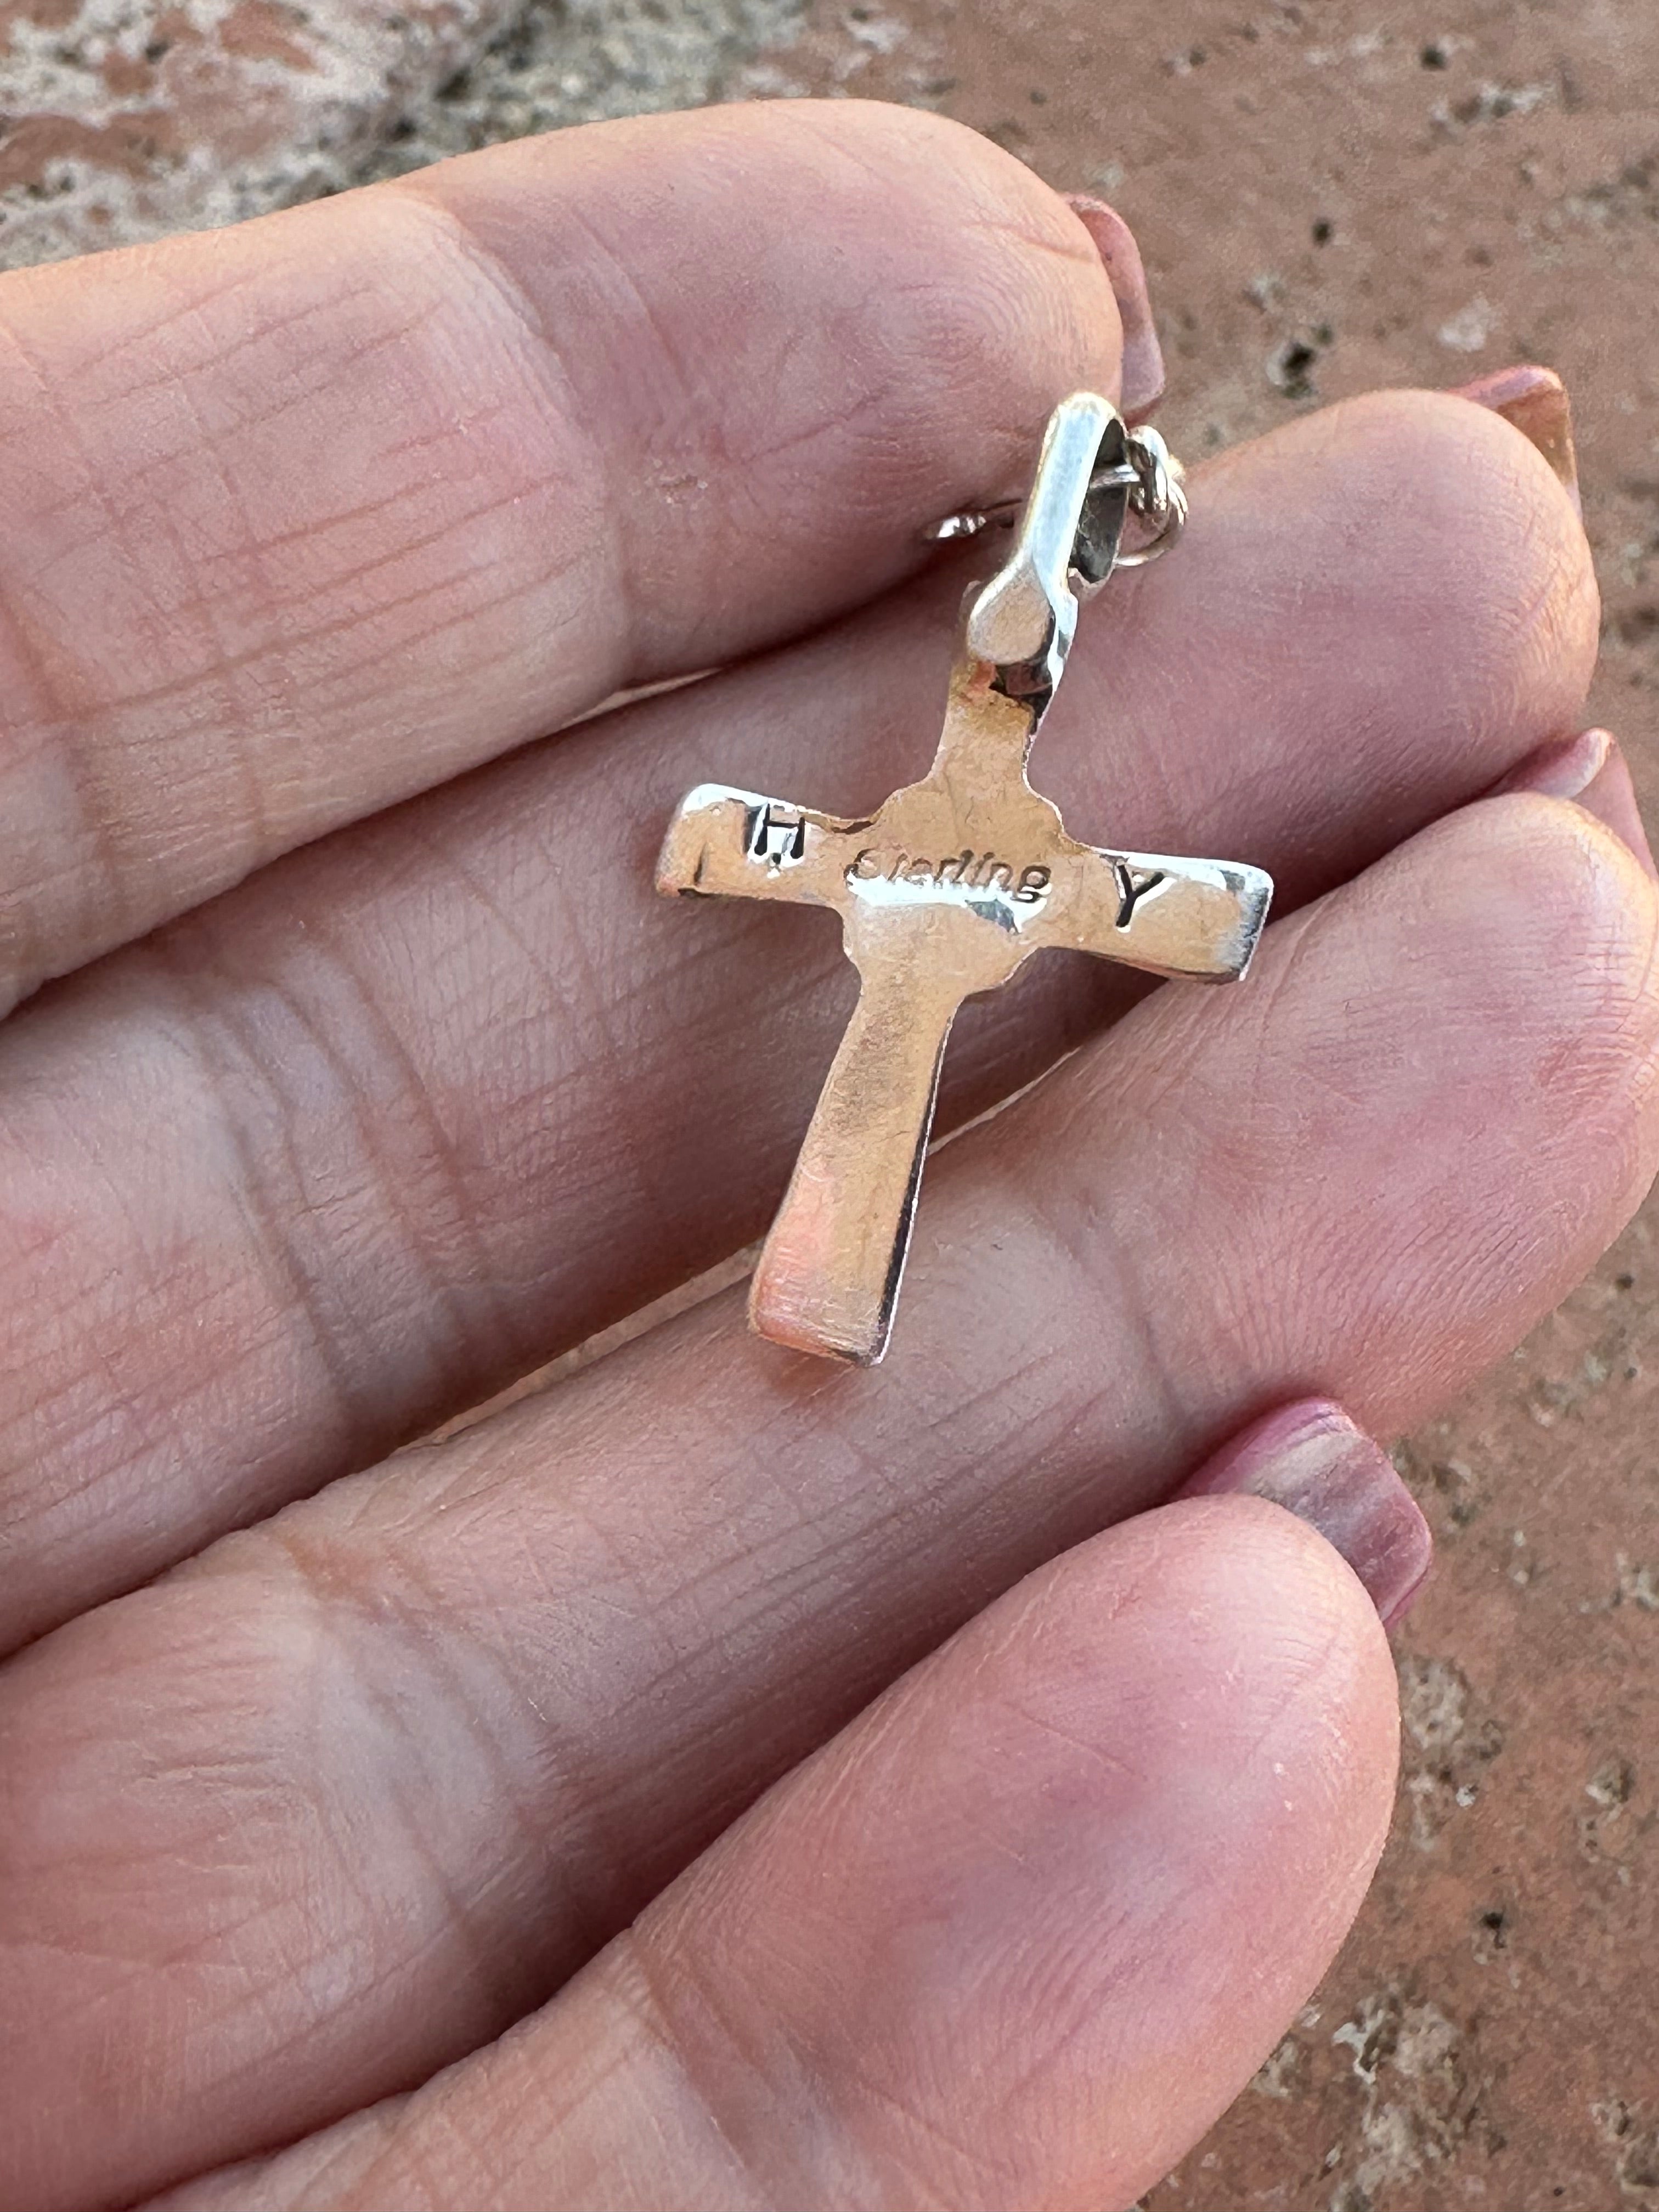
pixel 304 517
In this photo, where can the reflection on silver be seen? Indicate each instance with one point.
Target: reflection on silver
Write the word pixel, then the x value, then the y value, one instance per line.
pixel 1150 472
pixel 953 882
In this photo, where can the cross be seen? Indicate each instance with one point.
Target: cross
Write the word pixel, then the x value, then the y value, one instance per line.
pixel 945 891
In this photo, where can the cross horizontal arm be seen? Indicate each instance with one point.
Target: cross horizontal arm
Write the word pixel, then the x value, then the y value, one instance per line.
pixel 1200 918
pixel 723 842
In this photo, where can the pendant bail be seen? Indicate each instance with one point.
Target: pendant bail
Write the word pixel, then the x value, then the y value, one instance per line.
pixel 1092 473
pixel 1155 480
pixel 1023 621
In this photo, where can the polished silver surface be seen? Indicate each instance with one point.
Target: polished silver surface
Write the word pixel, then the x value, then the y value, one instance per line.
pixel 1148 470
pixel 1160 495
pixel 1024 619
pixel 950 886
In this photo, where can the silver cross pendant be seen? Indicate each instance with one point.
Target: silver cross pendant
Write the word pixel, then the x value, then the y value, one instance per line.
pixel 954 882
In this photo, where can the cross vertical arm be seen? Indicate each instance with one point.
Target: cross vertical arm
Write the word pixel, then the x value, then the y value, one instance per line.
pixel 986 734
pixel 829 1275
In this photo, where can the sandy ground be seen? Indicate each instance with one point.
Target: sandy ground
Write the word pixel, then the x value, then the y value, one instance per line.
pixel 1380 196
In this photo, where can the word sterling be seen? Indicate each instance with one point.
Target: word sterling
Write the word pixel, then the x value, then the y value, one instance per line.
pixel 952 885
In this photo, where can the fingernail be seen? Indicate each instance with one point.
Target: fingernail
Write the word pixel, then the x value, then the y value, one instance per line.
pixel 1313 1461
pixel 1562 768
pixel 1535 400
pixel 1143 357
pixel 1591 770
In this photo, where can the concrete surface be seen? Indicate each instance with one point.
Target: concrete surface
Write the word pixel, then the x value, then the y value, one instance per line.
pixel 1329 195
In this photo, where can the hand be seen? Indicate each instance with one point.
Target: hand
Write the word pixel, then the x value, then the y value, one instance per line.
pixel 344 1112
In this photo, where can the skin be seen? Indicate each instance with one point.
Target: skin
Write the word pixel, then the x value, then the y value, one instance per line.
pixel 861 1788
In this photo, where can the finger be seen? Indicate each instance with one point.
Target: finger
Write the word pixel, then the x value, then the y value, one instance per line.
pixel 1591 768
pixel 557 1653
pixel 307 515
pixel 1015 1938
pixel 1531 398
pixel 1143 357
pixel 1311 1458
pixel 431 1102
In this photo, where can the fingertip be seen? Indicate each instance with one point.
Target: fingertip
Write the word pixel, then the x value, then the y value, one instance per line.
pixel 1536 402
pixel 1556 919
pixel 1591 768
pixel 1539 913
pixel 1206 1773
pixel 1579 875
pixel 1273 1582
pixel 1311 1458
pixel 1115 242
pixel 1061 1890
pixel 1610 797
pixel 1497 535
pixel 1561 767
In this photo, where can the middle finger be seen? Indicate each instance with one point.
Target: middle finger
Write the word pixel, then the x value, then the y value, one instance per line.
pixel 424 1104
pixel 302 1822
